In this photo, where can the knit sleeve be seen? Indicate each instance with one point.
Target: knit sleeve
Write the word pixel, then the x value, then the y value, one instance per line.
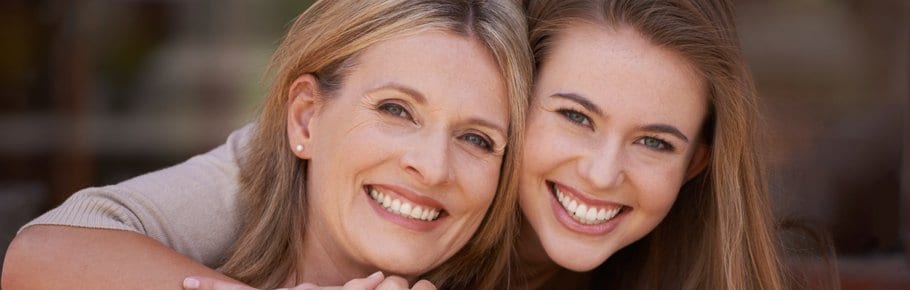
pixel 191 207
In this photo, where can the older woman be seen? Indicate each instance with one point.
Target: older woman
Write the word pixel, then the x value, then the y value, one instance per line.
pixel 640 170
pixel 387 142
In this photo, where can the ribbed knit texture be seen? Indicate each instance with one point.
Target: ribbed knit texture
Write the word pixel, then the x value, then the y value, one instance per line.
pixel 189 207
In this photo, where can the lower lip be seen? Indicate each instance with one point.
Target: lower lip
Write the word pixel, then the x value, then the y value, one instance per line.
pixel 566 219
pixel 411 224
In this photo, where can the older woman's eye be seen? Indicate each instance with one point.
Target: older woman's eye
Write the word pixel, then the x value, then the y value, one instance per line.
pixel 575 117
pixel 395 110
pixel 478 141
pixel 655 144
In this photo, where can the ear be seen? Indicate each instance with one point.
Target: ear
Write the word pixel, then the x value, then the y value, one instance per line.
pixel 303 104
pixel 699 161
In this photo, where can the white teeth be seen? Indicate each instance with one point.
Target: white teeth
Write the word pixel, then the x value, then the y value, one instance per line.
pixel 403 207
pixel 584 213
pixel 581 210
pixel 591 215
pixel 396 206
pixel 613 213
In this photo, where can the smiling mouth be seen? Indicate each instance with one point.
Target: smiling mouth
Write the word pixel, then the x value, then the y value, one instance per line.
pixel 404 207
pixel 585 213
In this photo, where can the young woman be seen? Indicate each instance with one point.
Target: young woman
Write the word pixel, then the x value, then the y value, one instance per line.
pixel 387 142
pixel 640 170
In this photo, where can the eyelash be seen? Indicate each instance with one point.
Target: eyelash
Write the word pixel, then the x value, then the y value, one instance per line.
pixel 661 145
pixel 388 107
pixel 480 141
pixel 571 115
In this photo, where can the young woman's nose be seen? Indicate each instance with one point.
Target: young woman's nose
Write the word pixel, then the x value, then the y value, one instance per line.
pixel 603 167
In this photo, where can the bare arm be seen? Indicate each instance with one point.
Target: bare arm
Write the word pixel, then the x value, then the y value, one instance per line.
pixel 61 257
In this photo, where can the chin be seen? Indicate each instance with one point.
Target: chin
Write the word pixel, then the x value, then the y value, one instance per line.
pixel 405 257
pixel 576 254
pixel 403 265
pixel 578 262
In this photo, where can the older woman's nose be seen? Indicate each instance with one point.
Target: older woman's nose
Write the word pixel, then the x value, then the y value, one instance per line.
pixel 428 159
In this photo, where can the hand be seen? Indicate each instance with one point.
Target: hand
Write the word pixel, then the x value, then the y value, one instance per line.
pixel 397 283
pixel 206 283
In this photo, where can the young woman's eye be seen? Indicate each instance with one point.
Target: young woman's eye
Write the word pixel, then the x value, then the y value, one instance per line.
pixel 395 110
pixel 478 141
pixel 576 117
pixel 655 143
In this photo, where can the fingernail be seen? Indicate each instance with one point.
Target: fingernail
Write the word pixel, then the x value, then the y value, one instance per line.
pixel 375 276
pixel 190 283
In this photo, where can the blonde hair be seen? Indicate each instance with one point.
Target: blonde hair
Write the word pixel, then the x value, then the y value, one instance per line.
pixel 324 41
pixel 719 233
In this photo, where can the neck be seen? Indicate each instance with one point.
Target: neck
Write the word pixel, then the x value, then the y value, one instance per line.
pixel 535 268
pixel 325 263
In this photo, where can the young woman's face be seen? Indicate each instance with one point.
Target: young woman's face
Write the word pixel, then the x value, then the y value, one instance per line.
pixel 405 157
pixel 613 125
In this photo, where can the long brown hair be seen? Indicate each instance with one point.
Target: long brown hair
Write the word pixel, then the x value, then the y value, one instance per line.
pixel 324 41
pixel 719 233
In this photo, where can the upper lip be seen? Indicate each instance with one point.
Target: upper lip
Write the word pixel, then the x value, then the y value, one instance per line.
pixel 411 195
pixel 582 196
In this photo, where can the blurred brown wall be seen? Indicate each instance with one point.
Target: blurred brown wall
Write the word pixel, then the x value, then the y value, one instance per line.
pixel 95 91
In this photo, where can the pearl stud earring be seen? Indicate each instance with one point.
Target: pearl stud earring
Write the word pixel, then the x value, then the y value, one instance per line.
pixel 298 148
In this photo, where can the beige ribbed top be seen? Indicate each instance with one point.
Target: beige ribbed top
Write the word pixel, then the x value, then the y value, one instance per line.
pixel 189 207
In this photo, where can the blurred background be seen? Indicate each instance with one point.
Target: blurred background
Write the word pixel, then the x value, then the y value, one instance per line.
pixel 93 92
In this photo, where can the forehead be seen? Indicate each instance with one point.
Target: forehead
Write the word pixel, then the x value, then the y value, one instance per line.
pixel 450 70
pixel 623 73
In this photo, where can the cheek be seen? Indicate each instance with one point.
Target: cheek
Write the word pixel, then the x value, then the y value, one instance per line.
pixel 545 144
pixel 340 154
pixel 340 130
pixel 536 145
pixel 478 179
pixel 659 190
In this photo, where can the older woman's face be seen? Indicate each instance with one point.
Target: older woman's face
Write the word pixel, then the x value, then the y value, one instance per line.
pixel 613 126
pixel 405 157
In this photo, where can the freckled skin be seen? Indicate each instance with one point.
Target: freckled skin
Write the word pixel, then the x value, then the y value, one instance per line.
pixel 608 157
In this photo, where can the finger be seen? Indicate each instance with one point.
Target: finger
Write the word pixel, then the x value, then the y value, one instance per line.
pixel 368 283
pixel 423 285
pixel 305 286
pixel 206 283
pixel 393 283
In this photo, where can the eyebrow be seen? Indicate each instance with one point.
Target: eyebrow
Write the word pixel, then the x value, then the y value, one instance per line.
pixel 421 99
pixel 590 106
pixel 584 102
pixel 664 128
pixel 488 124
pixel 418 97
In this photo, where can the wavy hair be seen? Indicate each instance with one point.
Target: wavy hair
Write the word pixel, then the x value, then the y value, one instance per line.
pixel 719 233
pixel 324 41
